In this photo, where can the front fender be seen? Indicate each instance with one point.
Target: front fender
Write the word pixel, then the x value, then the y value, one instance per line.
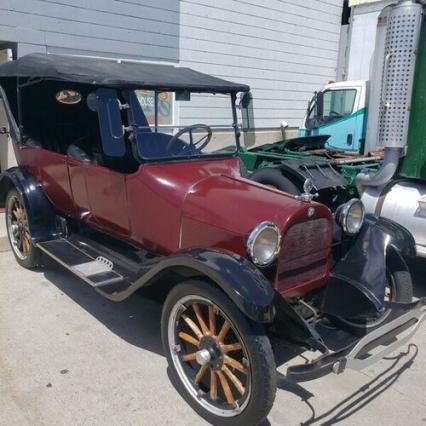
pixel 357 285
pixel 41 216
pixel 243 283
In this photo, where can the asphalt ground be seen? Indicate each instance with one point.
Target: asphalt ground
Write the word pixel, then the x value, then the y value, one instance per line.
pixel 70 357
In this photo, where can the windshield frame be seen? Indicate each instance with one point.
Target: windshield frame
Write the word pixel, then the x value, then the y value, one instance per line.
pixel 156 128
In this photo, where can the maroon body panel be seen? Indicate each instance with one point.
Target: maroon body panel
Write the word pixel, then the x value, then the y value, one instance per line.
pixel 51 171
pixel 170 206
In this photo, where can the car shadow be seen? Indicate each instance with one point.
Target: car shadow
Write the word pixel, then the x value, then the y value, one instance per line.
pixel 137 320
pixel 363 396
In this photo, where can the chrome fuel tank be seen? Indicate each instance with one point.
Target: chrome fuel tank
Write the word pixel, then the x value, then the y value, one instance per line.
pixel 403 202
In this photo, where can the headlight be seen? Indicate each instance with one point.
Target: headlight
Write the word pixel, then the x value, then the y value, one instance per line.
pixel 263 243
pixel 351 216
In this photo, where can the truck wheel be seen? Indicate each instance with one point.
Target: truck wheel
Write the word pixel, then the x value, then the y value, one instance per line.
pixel 220 363
pixel 273 177
pixel 26 254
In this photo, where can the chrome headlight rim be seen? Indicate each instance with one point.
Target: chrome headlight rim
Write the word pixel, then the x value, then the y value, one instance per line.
pixel 343 215
pixel 251 240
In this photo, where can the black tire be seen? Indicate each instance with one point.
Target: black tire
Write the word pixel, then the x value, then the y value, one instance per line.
pixel 402 286
pixel 260 368
pixel 30 256
pixel 399 289
pixel 273 177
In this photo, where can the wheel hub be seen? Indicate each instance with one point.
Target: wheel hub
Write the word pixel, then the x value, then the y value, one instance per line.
pixel 203 357
pixel 210 352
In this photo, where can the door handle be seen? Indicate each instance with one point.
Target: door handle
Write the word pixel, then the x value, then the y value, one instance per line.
pixel 349 139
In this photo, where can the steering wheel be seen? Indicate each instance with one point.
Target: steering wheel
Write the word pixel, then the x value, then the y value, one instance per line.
pixel 200 143
pixel 335 114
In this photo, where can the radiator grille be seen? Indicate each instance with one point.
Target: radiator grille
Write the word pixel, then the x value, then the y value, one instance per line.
pixel 304 257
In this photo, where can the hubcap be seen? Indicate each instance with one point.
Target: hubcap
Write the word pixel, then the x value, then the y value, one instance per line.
pixel 203 357
pixel 209 356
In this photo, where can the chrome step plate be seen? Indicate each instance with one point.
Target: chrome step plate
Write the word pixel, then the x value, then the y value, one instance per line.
pixel 97 271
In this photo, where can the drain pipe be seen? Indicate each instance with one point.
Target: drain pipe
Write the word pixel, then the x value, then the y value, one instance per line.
pixel 384 174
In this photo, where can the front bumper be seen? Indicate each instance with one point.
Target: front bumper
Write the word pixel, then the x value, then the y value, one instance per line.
pixel 401 323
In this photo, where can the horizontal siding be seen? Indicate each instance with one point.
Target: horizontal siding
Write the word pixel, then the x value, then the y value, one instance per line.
pixel 119 28
pixel 283 49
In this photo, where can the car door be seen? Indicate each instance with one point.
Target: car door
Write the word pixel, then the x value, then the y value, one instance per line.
pixel 106 192
pixel 99 195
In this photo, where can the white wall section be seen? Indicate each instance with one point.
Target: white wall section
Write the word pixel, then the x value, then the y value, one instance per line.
pixel 283 49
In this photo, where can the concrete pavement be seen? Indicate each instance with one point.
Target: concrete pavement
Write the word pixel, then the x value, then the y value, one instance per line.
pixel 70 357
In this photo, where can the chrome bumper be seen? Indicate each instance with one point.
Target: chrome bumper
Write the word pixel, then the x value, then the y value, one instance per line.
pixel 401 324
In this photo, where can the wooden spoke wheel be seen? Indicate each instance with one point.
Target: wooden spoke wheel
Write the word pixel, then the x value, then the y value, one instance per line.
pixel 211 357
pixel 19 232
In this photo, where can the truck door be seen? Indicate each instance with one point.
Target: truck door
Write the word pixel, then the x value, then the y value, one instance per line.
pixel 343 118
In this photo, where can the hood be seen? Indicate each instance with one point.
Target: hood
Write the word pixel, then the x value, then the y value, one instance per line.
pixel 207 204
pixel 237 205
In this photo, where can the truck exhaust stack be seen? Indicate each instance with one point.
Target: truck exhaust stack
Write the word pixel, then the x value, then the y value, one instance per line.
pixel 398 33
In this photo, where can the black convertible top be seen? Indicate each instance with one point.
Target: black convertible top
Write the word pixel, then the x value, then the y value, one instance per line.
pixel 114 73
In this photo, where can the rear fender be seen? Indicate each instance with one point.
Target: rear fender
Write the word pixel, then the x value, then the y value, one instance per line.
pixel 357 285
pixel 41 216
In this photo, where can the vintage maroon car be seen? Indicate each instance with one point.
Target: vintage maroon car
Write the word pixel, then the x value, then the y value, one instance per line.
pixel 106 188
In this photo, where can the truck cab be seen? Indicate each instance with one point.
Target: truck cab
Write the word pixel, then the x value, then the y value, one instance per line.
pixel 339 110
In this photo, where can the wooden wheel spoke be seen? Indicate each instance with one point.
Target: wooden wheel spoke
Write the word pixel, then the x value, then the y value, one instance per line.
pixel 25 246
pixel 234 379
pixel 212 320
pixel 234 363
pixel 193 326
pixel 27 242
pixel 19 210
pixel 188 338
pixel 226 389
pixel 201 373
pixel 213 385
pixel 232 347
pixel 16 213
pixel 189 357
pixel 200 318
pixel 224 331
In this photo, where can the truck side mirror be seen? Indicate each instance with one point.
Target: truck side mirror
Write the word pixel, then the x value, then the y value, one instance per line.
pixel 107 105
pixel 247 114
pixel 319 105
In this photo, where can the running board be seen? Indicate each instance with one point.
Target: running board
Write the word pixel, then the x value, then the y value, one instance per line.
pixel 97 271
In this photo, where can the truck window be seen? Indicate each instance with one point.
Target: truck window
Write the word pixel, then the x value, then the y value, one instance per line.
pixel 338 104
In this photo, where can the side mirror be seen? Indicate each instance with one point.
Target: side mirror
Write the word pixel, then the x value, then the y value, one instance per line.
pixel 247 114
pixel 319 105
pixel 107 105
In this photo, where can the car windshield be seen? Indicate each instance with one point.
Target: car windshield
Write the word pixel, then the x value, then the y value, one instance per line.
pixel 172 125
